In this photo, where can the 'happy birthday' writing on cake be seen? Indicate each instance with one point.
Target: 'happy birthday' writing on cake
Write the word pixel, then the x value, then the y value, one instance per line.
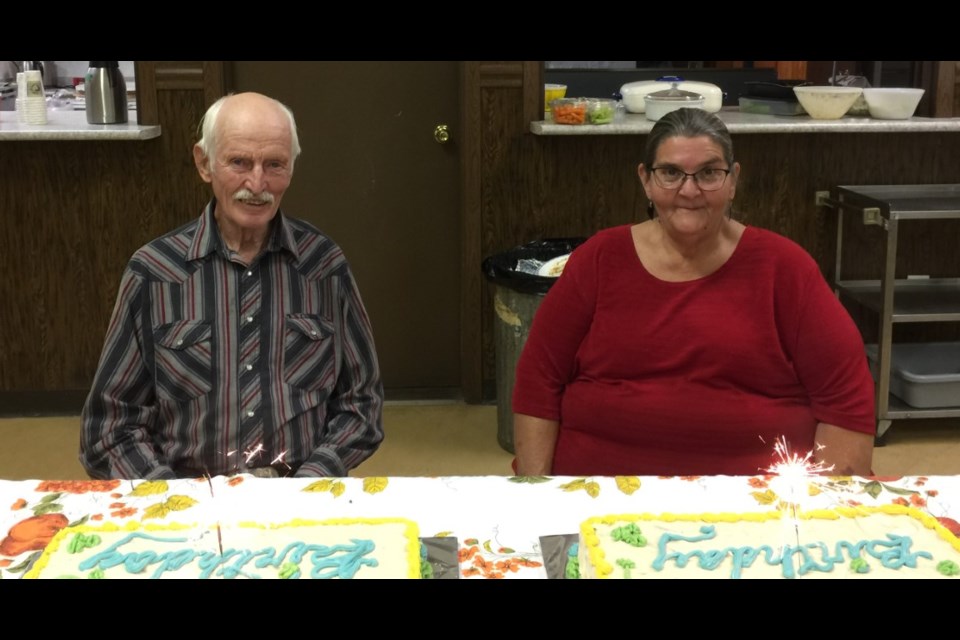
pixel 335 561
pixel 893 553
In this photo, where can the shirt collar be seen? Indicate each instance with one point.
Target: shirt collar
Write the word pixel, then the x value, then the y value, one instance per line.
pixel 207 239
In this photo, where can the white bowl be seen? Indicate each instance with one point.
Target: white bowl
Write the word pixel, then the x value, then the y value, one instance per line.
pixel 826 102
pixel 889 103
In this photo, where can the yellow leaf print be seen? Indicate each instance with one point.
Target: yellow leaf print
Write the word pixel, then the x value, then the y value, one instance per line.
pixel 575 485
pixel 813 489
pixel 180 503
pixel 593 489
pixel 374 485
pixel 764 497
pixel 443 534
pixel 319 485
pixel 628 484
pixel 150 488
pixel 159 510
pixel 338 488
pixel 486 545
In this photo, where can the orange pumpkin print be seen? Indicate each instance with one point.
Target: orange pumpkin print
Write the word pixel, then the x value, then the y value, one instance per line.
pixel 78 486
pixel 32 534
pixel 951 525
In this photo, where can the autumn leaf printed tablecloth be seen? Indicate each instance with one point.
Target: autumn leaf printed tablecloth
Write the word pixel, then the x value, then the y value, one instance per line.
pixel 497 521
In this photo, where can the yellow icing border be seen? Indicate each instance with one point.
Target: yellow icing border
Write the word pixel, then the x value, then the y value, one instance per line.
pixel 411 533
pixel 603 568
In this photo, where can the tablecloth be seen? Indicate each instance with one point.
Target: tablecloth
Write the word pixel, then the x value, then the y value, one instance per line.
pixel 497 521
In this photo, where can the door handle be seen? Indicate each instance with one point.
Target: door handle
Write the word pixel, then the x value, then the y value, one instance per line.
pixel 441 133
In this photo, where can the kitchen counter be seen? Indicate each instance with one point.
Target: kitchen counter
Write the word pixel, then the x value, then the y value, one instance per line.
pixel 737 122
pixel 72 125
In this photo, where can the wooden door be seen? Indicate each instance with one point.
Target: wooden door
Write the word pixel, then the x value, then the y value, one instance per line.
pixel 374 178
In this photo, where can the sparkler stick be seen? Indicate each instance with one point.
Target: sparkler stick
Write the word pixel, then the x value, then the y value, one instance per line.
pixel 219 536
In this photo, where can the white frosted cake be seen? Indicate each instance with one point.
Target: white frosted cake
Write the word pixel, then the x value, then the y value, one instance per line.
pixel 861 542
pixel 348 548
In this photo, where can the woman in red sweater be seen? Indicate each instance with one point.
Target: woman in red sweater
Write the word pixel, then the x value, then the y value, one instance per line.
pixel 689 343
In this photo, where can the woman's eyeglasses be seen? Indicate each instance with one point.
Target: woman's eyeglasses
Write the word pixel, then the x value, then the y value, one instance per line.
pixel 708 179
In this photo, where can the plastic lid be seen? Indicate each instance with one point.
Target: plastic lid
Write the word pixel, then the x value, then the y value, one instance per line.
pixel 673 94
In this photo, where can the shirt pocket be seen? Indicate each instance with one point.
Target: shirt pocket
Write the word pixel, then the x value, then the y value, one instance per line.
pixel 309 352
pixel 184 359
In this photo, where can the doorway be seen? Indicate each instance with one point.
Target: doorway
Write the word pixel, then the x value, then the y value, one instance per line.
pixel 373 177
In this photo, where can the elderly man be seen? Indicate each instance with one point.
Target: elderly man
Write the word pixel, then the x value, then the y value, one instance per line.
pixel 239 342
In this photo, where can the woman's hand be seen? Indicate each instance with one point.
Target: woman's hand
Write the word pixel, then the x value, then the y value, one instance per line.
pixel 534 440
pixel 850 452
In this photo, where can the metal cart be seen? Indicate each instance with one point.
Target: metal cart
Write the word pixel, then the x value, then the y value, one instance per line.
pixel 905 300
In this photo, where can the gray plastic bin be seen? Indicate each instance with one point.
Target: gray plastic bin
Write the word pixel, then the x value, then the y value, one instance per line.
pixel 924 375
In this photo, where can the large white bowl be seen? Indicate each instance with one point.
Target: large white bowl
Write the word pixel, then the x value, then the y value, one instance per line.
pixel 826 102
pixel 890 103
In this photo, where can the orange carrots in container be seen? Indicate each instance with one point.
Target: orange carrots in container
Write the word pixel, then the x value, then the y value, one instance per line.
pixel 569 112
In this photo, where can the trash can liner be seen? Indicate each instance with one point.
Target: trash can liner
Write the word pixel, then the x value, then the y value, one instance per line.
pixel 501 268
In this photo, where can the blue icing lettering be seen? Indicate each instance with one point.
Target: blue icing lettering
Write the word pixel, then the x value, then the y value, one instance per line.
pixel 336 561
pixel 893 553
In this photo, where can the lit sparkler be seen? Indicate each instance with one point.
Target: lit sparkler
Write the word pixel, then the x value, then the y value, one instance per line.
pixel 792 473
pixel 249 455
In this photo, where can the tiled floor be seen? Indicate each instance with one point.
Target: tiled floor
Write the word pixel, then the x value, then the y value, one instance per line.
pixel 424 439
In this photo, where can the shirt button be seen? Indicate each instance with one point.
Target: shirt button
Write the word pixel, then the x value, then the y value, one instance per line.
pixel 249 318
pixel 179 343
pixel 249 414
pixel 249 367
pixel 313 333
pixel 249 273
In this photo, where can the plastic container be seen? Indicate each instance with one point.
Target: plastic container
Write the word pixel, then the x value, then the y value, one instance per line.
pixel 924 375
pixel 551 92
pixel 601 110
pixel 569 111
pixel 771 106
pixel 516 297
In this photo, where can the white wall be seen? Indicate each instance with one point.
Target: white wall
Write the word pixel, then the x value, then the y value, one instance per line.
pixel 66 70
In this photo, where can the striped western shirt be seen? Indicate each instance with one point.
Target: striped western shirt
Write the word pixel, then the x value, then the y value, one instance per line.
pixel 213 367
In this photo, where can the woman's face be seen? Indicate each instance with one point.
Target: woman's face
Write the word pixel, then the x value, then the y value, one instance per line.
pixel 690 210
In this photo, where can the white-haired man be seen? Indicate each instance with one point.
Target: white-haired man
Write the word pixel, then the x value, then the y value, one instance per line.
pixel 239 342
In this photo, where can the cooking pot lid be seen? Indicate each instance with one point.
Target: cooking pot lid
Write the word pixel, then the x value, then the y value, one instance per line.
pixel 674 94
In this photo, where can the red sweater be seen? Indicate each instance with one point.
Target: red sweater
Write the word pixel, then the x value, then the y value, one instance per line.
pixel 650 377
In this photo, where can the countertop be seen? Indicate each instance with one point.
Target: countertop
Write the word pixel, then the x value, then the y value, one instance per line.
pixel 72 125
pixel 737 122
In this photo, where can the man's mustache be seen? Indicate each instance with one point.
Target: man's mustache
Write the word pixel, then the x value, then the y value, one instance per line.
pixel 254 198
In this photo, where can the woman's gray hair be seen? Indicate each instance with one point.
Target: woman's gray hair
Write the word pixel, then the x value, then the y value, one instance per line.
pixel 688 123
pixel 208 131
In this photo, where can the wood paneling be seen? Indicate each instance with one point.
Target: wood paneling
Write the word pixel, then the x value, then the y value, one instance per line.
pixel 74 212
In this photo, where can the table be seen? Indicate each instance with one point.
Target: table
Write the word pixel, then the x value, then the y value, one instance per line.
pixel 497 521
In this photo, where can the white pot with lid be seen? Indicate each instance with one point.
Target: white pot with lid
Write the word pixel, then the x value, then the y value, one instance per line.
pixel 634 93
pixel 660 103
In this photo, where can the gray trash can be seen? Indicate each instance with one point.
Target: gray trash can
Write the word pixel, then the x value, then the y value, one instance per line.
pixel 516 296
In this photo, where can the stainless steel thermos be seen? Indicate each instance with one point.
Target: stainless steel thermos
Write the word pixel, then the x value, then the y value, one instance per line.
pixel 105 93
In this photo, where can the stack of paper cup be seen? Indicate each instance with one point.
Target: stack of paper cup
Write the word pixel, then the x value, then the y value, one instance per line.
pixel 31 103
